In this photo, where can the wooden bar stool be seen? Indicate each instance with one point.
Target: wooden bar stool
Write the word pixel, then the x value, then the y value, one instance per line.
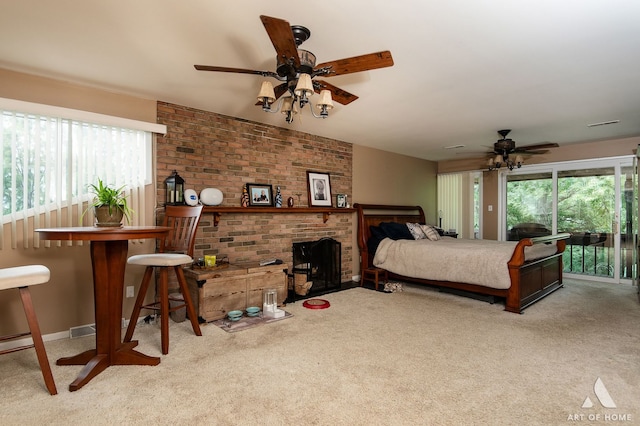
pixel 21 277
pixel 175 251
pixel 374 274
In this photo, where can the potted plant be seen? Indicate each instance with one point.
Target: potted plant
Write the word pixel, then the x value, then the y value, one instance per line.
pixel 110 205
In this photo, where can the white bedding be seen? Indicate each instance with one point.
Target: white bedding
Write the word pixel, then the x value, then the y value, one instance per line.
pixel 481 262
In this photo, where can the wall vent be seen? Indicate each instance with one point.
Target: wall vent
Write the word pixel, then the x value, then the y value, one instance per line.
pixel 89 329
pixel 603 123
pixel 81 331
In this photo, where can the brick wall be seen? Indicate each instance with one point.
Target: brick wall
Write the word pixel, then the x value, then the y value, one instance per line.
pixel 212 150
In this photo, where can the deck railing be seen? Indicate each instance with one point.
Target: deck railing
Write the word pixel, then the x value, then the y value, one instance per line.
pixel 594 254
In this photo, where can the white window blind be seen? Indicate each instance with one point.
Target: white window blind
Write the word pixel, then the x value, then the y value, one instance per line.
pixel 457 203
pixel 450 198
pixel 49 161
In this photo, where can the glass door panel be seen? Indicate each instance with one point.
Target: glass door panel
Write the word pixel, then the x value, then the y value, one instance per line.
pixel 529 205
pixel 586 209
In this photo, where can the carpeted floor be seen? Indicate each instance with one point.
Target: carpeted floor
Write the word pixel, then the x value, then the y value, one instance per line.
pixel 406 358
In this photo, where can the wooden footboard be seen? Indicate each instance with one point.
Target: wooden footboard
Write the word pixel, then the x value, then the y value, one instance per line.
pixel 530 281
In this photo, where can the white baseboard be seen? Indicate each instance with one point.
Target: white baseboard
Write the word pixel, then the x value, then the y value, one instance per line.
pixel 74 332
pixel 28 341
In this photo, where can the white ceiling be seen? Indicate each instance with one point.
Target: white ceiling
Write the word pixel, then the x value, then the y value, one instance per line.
pixel 463 68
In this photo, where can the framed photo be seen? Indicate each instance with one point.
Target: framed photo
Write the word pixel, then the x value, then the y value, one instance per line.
pixel 341 201
pixel 260 194
pixel 319 189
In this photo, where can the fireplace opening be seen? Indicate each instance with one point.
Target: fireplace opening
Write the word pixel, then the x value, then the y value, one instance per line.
pixel 317 267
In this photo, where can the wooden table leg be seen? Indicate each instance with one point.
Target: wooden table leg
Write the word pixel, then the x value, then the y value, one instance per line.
pixel 109 260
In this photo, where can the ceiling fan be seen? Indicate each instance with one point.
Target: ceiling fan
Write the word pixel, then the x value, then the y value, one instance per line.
pixel 505 146
pixel 297 70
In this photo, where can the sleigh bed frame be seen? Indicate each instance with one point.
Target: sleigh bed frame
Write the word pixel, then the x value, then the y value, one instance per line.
pixel 530 280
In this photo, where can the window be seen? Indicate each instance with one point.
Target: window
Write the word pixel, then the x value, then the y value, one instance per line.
pixel 49 160
pixel 459 203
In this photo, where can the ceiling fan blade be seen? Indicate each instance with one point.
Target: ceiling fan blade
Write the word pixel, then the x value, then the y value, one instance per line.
pixel 530 151
pixel 282 39
pixel 279 90
pixel 474 153
pixel 357 63
pixel 337 94
pixel 538 146
pixel 236 70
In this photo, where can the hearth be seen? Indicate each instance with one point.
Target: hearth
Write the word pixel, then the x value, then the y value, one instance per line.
pixel 319 263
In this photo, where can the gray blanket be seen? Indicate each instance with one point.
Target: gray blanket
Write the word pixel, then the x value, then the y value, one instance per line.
pixel 481 262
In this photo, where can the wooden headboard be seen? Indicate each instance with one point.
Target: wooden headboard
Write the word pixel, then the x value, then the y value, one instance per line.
pixel 373 215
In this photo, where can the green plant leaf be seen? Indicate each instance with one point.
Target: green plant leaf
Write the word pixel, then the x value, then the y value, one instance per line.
pixel 104 195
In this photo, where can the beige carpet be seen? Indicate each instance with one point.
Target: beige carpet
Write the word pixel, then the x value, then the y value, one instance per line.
pixel 415 357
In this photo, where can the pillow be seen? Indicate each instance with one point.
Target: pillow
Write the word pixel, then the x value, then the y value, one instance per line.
pixel 396 231
pixel 377 235
pixel 430 232
pixel 416 231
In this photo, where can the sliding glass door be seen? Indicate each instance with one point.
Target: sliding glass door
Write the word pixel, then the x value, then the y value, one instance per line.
pixel 593 201
pixel 586 209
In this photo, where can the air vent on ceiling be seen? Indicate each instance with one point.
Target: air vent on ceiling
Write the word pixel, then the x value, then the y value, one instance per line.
pixel 603 123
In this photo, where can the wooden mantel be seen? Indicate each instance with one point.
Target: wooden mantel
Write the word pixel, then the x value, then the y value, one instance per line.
pixel 326 211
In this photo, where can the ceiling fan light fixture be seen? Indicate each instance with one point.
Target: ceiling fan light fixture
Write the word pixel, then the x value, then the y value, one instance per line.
pixel 325 103
pixel 325 99
pixel 304 88
pixel 287 104
pixel 295 69
pixel 503 147
pixel 266 95
pixel 500 160
pixel 289 108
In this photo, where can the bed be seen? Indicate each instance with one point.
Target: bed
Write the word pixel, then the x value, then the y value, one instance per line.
pixel 526 271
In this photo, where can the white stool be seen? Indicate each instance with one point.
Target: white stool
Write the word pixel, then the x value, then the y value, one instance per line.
pixel 21 277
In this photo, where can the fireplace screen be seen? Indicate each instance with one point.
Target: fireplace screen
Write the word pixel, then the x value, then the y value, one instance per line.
pixel 320 262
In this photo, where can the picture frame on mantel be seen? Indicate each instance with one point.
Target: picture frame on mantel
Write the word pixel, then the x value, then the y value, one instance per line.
pixel 319 189
pixel 260 195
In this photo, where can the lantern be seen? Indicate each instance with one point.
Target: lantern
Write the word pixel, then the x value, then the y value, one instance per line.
pixel 175 189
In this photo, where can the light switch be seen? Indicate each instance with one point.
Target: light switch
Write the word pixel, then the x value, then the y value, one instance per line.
pixel 490 208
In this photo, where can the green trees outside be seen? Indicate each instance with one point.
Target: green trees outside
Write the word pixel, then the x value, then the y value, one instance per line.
pixel 585 204
pixel 529 201
pixel 586 209
pixel 20 164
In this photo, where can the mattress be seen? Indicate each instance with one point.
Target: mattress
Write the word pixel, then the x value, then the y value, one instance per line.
pixel 479 262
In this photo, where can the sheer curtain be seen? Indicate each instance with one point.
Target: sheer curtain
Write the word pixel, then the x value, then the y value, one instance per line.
pixel 456 201
pixel 49 161
pixel 450 201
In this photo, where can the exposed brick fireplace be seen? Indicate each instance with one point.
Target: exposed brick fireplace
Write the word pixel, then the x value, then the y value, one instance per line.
pixel 212 150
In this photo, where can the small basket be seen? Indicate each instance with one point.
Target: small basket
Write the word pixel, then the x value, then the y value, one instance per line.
pixel 302 288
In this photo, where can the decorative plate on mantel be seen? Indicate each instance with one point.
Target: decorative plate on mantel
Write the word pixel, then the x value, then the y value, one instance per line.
pixel 211 196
